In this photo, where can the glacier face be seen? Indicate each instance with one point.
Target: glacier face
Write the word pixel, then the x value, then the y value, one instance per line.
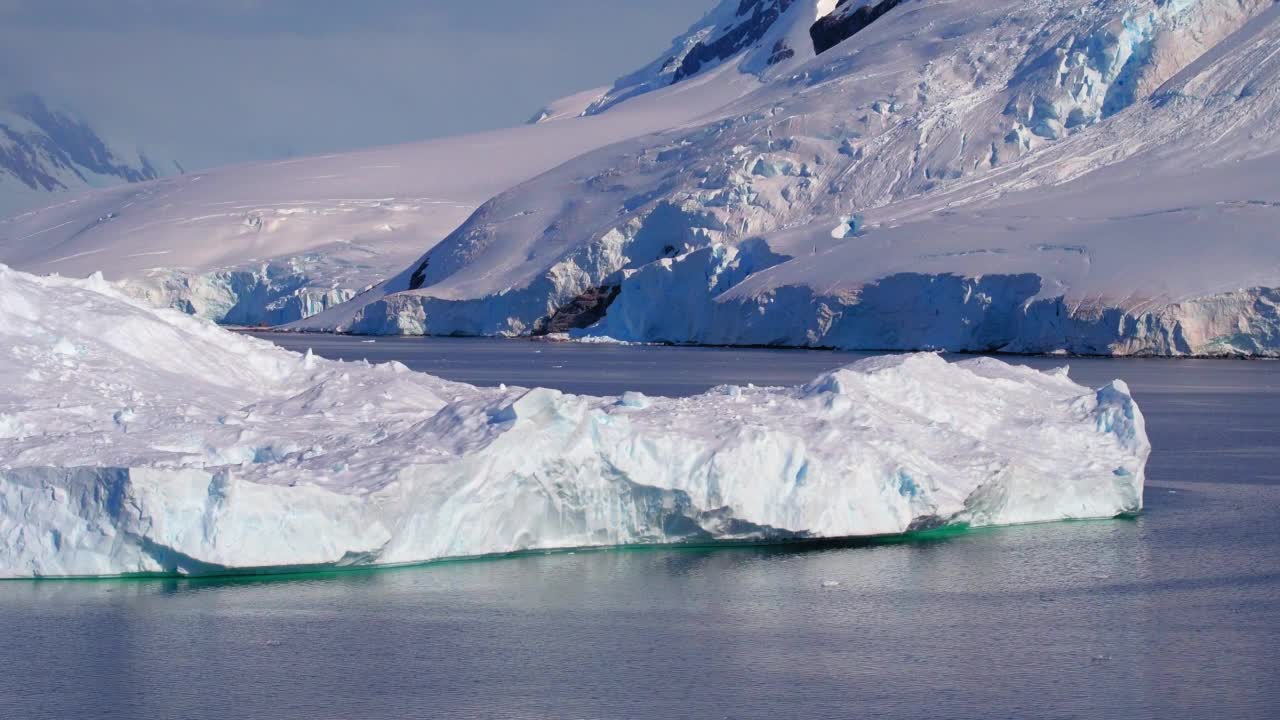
pixel 137 440
pixel 1092 177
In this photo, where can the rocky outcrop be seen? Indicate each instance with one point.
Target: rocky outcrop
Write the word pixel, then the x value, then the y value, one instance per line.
pixel 584 310
pixel 849 18
pixel 48 150
pixel 755 17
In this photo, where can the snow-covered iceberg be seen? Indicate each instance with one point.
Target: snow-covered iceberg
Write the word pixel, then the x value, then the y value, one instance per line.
pixel 138 440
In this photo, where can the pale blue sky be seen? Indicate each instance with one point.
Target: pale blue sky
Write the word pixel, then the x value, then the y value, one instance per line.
pixel 214 81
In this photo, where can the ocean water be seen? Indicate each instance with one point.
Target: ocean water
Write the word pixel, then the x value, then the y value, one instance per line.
pixel 1173 614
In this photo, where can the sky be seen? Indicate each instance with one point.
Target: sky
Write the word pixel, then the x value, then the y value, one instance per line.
pixel 212 82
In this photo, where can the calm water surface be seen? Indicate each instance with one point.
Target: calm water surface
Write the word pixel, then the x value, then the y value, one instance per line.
pixel 1173 615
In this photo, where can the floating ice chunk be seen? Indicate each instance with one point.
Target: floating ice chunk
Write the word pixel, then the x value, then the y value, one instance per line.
pixel 350 464
pixel 634 400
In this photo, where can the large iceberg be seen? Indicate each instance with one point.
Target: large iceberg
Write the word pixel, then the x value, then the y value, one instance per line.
pixel 141 440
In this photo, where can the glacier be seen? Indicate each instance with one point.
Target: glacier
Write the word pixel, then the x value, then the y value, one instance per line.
pixel 1081 177
pixel 271 242
pixel 1096 177
pixel 137 440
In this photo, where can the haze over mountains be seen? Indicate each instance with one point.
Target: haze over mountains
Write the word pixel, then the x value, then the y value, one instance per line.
pixel 46 151
pixel 209 84
pixel 1056 175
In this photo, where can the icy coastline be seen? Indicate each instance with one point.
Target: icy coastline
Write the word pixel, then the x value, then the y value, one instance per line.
pixel 1108 187
pixel 139 440
pixel 939 178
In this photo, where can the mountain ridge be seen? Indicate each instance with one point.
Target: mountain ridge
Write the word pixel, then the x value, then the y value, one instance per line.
pixel 46 152
pixel 1011 99
pixel 1083 176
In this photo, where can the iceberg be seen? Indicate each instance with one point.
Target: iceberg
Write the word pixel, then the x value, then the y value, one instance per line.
pixel 137 440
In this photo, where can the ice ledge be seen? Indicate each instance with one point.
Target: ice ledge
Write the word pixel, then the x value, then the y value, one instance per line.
pixel 1005 313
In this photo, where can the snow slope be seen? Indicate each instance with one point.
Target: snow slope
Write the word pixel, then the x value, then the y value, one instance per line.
pixel 1094 176
pixel 565 108
pixel 761 38
pixel 141 440
pixel 273 242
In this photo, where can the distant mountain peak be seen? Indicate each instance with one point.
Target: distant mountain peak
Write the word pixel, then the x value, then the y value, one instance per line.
pixel 48 150
pixel 761 37
pixel 752 20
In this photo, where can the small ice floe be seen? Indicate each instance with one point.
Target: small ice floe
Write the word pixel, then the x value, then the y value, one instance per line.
pixel 632 399
pixel 830 583
pixel 368 341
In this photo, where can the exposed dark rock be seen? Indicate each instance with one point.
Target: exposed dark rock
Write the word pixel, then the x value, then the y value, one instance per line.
pixel 584 311
pixel 419 275
pixel 63 143
pixel 842 23
pixel 755 17
pixel 24 158
pixel 781 52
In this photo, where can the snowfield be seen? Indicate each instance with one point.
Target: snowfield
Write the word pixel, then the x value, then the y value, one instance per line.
pixel 271 242
pixel 1061 175
pixel 142 440
pixel 1080 176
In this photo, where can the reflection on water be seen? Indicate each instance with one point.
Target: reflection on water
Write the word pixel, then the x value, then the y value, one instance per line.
pixel 1172 614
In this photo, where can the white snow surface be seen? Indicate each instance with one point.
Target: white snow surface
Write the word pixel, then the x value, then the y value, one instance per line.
pixel 143 440
pixel 1087 176
pixel 565 108
pixel 270 242
pixel 1093 176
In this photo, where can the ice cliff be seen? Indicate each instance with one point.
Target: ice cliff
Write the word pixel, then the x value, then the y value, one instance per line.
pixel 137 440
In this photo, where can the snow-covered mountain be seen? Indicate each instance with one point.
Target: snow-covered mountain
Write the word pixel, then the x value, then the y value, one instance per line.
pixel 277 241
pixel 755 37
pixel 45 152
pixel 1096 176
pixel 1080 175
pixel 766 39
